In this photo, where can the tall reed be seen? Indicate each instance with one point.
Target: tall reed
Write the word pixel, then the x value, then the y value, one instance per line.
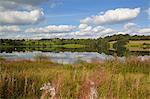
pixel 108 79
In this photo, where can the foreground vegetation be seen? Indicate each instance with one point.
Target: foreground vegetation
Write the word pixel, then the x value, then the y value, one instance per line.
pixel 111 78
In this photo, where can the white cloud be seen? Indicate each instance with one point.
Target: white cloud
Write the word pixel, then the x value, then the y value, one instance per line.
pixel 9 29
pixel 148 12
pixel 121 32
pixel 129 26
pixel 20 17
pixel 144 31
pixel 112 16
pixel 86 31
pixel 26 4
pixel 69 31
pixel 52 29
pixel 134 29
pixel 100 32
pixel 30 2
pixel 13 6
pixel 83 26
pixel 22 12
pixel 105 32
pixel 98 29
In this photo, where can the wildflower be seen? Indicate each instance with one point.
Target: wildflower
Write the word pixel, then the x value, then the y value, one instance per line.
pixel 93 91
pixel 49 89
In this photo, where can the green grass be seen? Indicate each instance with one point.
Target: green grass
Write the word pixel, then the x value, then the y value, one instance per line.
pixel 134 45
pixel 138 43
pixel 111 45
pixel 112 78
pixel 69 46
pixel 141 45
pixel 53 44
pixel 73 46
pixel 58 45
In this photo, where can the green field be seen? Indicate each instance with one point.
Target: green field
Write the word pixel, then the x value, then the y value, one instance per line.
pixel 111 45
pixel 134 45
pixel 73 46
pixel 69 46
pixel 110 78
pixel 141 45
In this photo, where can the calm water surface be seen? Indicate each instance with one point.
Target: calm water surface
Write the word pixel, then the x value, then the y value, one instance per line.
pixel 61 57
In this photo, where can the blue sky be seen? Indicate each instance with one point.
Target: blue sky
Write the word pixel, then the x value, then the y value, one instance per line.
pixel 71 11
pixel 37 19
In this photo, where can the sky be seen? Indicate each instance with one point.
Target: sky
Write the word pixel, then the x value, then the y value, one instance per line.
pixel 39 19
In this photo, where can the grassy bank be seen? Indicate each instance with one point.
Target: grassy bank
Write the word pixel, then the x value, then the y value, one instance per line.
pixel 111 79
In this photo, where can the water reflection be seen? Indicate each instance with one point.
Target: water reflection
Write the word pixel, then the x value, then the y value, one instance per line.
pixel 60 57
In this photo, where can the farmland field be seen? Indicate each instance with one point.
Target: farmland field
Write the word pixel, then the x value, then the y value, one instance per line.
pixel 111 45
pixel 134 45
pixel 141 45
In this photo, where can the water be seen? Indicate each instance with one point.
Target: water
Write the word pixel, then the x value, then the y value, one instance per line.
pixel 61 57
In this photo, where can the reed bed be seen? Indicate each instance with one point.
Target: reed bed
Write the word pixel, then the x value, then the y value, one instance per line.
pixel 109 79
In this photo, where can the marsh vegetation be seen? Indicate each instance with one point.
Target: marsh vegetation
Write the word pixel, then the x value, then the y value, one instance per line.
pixel 112 78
